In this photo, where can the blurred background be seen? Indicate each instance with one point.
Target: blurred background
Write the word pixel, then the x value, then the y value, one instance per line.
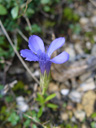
pixel 74 82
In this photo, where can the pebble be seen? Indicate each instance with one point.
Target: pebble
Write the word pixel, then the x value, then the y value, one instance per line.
pixel 71 52
pixel 84 21
pixel 88 45
pixel 93 52
pixel 64 116
pixel 80 115
pixel 53 87
pixel 73 119
pixel 84 126
pixel 58 95
pixel 22 105
pixel 88 85
pixel 85 76
pixel 79 106
pixel 78 48
pixel 75 96
pixel 94 37
pixel 93 20
pixel 65 92
pixel 36 73
pixel 88 101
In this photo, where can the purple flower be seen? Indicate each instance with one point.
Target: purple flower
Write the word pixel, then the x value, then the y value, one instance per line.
pixel 37 52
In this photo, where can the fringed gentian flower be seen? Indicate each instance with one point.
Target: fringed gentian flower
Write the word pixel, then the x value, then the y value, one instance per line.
pixel 36 52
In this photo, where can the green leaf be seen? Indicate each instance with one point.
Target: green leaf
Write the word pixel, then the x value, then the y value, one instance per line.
pixel 45 1
pixel 19 86
pixel 52 105
pixel 9 99
pixel 36 28
pixel 14 12
pixel 27 123
pixel 50 97
pixel 40 112
pixel 46 8
pixel 40 98
pixel 93 125
pixel 34 126
pixel 3 10
pixel 1 87
pixel 93 115
pixel 13 118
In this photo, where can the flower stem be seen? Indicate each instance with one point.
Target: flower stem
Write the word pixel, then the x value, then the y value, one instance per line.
pixel 44 82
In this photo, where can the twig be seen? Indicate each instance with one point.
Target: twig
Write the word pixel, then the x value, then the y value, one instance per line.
pixel 26 6
pixel 46 122
pixel 34 121
pixel 22 35
pixel 6 68
pixel 11 43
pixel 23 5
pixel 93 2
pixel 28 22
pixel 8 87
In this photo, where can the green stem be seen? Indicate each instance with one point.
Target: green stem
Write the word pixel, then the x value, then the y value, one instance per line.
pixel 44 82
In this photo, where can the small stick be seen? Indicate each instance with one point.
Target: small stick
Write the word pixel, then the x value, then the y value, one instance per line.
pixel 22 35
pixel 93 2
pixel 28 22
pixel 34 121
pixel 11 43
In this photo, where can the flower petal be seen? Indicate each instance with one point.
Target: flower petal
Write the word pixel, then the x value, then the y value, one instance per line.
pixel 29 55
pixel 57 43
pixel 61 58
pixel 36 43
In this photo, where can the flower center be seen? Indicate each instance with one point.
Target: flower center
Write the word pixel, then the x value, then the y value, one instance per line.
pixel 43 56
pixel 44 62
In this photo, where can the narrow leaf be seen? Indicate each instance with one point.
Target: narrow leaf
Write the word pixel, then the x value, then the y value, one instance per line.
pixel 40 98
pixel 52 106
pixel 50 97
pixel 40 112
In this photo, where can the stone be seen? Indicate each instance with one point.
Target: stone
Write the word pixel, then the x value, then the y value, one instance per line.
pixel 36 73
pixel 64 116
pixel 75 96
pixel 80 115
pixel 78 48
pixel 65 92
pixel 53 87
pixel 85 76
pixel 58 95
pixel 88 85
pixel 93 20
pixel 22 105
pixel 88 45
pixel 79 106
pixel 84 21
pixel 94 37
pixel 84 126
pixel 88 101
pixel 93 52
pixel 73 119
pixel 71 52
